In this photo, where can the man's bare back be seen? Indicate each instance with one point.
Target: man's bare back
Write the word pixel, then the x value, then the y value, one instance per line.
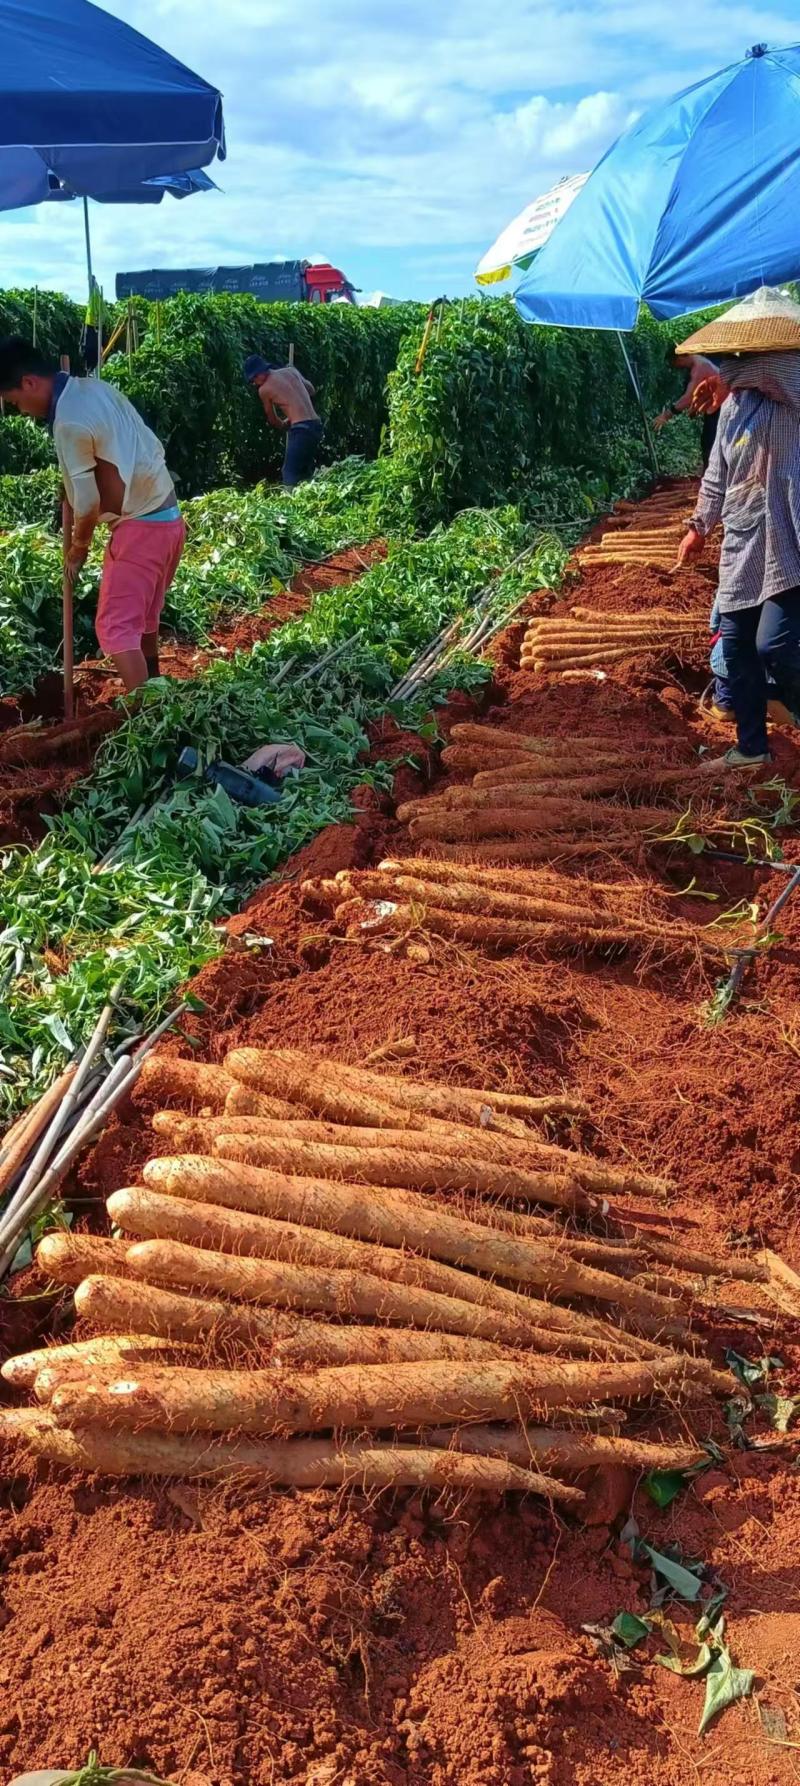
pixel 283 388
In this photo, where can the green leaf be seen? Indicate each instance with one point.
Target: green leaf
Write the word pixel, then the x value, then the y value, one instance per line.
pixel 682 1581
pixel 663 1485
pixel 751 1370
pixel 629 1629
pixel 724 1685
pixel 689 1670
pixel 781 1409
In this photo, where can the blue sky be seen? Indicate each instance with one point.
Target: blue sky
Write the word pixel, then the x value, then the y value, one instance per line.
pixel 393 137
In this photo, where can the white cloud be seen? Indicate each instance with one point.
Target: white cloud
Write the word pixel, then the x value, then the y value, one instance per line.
pixel 372 126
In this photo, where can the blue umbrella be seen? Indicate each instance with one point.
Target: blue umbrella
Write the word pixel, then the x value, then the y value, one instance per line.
pixel 694 204
pixel 88 99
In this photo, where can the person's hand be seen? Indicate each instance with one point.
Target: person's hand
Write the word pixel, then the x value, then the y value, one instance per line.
pixel 75 561
pixel 692 546
pixel 661 420
pixel 709 395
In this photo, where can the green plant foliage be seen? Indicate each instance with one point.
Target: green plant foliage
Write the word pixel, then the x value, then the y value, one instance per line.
pixel 498 404
pixel 28 500
pixel 186 378
pixel 241 546
pixel 66 934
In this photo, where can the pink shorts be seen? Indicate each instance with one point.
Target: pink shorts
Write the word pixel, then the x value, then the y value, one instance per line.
pixel 140 561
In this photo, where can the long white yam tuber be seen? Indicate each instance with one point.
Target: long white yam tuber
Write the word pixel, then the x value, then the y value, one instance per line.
pixel 397 1218
pixel 21 1372
pixel 416 1168
pixel 300 1463
pixel 316 1084
pixel 148 1215
pixel 290 1338
pixel 185 1082
pixel 69 1257
pixel 356 1396
pixel 568 1451
pixel 336 1291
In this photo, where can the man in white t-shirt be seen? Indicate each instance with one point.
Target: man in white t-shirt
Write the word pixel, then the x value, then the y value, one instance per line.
pixel 114 471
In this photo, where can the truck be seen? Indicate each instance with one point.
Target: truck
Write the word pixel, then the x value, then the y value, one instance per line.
pixel 273 281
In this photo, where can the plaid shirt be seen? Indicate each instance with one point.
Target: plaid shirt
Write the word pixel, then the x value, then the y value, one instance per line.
pixel 753 481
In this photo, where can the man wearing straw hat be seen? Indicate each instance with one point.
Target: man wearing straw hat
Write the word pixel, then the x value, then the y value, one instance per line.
pixel 752 485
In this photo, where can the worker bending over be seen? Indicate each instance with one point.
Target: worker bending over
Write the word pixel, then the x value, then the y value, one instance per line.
pixel 753 486
pixel 114 471
pixel 287 399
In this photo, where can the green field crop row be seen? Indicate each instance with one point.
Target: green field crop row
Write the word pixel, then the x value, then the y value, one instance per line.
pixel 241 547
pixel 68 935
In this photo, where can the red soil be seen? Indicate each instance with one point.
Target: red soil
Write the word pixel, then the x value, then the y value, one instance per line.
pixel 227 1638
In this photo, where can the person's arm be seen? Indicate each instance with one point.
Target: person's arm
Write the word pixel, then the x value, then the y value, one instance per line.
pixel 275 420
pixel 709 505
pixel 309 386
pixel 76 455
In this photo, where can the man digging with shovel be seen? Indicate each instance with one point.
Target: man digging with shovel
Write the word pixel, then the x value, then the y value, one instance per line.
pixel 114 471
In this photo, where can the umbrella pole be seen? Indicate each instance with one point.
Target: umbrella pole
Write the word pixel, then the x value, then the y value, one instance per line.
pixel 649 441
pixel 67 603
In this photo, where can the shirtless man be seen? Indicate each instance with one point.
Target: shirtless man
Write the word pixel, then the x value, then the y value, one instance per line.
pixel 287 399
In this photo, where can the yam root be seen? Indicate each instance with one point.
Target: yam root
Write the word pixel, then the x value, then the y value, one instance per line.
pixel 325 1290
pixel 21 1372
pixel 411 1169
pixel 363 1396
pixel 69 1257
pixel 566 1451
pixel 151 1216
pixel 289 1338
pixel 313 1083
pixel 301 1463
pixel 394 1217
pixel 188 1083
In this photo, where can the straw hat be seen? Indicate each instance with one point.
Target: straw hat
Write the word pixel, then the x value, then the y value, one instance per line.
pixel 766 322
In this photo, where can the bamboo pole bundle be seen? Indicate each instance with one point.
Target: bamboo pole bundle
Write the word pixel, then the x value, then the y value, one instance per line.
pixel 290 1338
pixel 298 1463
pixel 362 1397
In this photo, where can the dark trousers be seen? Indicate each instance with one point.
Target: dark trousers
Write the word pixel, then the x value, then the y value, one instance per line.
pixel 302 443
pixel 708 435
pixel 758 641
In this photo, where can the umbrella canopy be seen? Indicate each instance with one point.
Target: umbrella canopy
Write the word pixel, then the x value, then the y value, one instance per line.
pixel 521 240
pixel 695 203
pixel 86 98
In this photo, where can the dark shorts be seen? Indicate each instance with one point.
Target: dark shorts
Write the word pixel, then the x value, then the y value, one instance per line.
pixel 302 444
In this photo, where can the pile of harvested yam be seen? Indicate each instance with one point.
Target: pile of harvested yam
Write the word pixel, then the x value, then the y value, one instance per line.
pixel 535 799
pixel 507 908
pixel 323 1281
pixel 585 639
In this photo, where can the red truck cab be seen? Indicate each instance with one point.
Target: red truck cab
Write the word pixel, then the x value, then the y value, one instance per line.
pixel 325 282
